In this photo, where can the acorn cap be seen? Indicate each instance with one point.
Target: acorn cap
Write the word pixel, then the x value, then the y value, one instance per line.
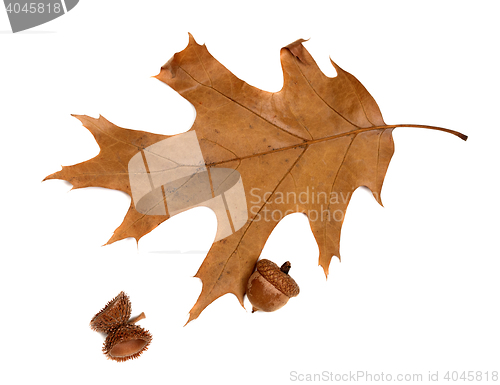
pixel 115 313
pixel 278 277
pixel 126 342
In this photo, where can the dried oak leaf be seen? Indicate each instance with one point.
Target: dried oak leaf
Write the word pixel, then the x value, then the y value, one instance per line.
pixel 316 134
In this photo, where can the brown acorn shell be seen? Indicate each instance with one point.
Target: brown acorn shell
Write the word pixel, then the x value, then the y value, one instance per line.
pixel 126 342
pixel 115 313
pixel 281 281
pixel 263 295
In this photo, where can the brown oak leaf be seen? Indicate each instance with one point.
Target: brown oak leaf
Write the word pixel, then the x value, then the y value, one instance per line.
pixel 252 156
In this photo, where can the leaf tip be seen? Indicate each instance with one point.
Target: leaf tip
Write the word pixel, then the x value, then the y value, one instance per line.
pixel 81 118
pixel 297 50
pixel 192 40
pixel 334 64
pixel 378 197
pixel 191 318
pixel 54 175
pixel 326 264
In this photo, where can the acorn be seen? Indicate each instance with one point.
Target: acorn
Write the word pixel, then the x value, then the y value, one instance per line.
pixel 115 313
pixel 270 287
pixel 126 342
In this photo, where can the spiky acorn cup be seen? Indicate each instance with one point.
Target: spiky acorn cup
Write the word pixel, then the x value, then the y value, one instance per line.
pixel 125 341
pixel 270 287
pixel 115 313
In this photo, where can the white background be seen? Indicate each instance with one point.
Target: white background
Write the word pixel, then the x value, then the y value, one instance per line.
pixel 417 288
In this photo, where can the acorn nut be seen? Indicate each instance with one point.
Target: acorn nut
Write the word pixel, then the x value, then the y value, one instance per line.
pixel 270 287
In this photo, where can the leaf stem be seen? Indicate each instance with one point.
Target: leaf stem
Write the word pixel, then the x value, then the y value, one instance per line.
pixel 354 132
pixel 456 133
